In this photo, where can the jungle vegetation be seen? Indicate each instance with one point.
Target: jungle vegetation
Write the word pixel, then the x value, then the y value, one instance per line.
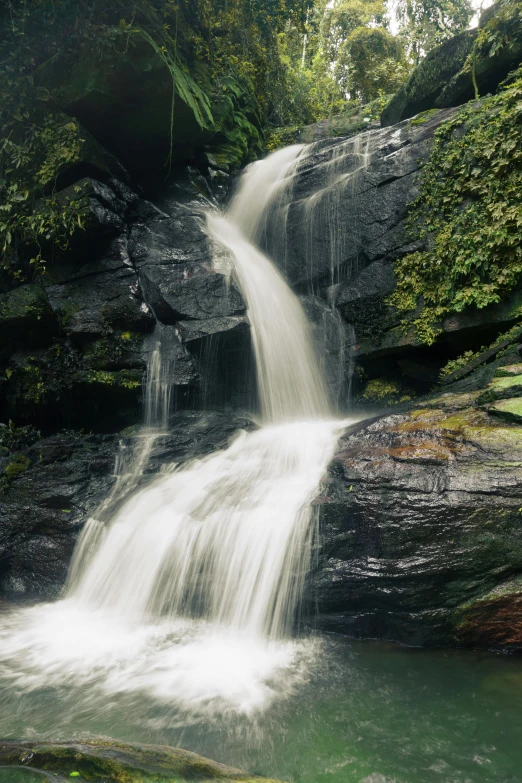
pixel 278 62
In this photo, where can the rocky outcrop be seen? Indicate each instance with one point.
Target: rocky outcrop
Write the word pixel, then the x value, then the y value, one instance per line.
pixel 110 761
pixel 75 340
pixel 132 89
pixel 445 77
pixel 421 522
pixel 346 205
pixel 425 87
pixel 50 486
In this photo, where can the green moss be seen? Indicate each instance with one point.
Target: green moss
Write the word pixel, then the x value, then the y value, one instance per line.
pixel 126 379
pixel 386 390
pixel 510 409
pixel 469 213
pixel 103 761
pixel 500 384
pixel 130 379
pixel 421 118
pixel 19 464
pixel 508 371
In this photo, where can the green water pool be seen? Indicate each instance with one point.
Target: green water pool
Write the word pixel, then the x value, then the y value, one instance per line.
pixel 362 711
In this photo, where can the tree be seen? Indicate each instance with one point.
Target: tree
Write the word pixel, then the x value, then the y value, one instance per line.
pixel 426 23
pixel 370 63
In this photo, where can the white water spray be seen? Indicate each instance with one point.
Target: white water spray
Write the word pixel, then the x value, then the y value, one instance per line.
pixel 197 578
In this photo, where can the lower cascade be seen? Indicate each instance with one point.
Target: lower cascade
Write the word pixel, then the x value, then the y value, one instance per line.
pixel 188 588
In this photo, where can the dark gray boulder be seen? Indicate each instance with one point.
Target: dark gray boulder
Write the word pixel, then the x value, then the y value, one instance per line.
pixel 445 77
pixel 421 538
pixel 425 86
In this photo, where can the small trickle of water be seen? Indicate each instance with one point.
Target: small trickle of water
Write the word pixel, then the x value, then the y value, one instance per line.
pixel 327 170
pixel 158 385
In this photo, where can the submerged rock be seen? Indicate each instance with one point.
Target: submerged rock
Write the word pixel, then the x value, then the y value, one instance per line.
pixel 110 761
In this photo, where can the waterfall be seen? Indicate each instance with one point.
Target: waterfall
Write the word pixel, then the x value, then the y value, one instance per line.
pixel 199 575
pixel 229 538
pixel 290 383
pixel 313 180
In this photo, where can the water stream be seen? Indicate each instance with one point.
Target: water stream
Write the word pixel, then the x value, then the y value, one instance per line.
pixel 189 588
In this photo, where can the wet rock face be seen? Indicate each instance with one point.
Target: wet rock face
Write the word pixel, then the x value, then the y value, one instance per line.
pixel 422 528
pixel 74 342
pixel 49 487
pixel 346 205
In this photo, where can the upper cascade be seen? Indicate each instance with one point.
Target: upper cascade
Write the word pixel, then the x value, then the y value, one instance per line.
pixel 291 386
pixel 305 205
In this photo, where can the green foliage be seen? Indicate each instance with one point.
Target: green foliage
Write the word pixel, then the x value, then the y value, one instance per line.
pixel 351 56
pixel 386 390
pixel 468 356
pixel 35 146
pixel 501 30
pixel 497 34
pixel 469 214
pixel 13 437
pixel 370 63
pixel 281 137
pixel 213 50
pixel 427 23
pixel 461 361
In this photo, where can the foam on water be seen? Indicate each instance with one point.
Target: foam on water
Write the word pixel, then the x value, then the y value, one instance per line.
pixel 197 668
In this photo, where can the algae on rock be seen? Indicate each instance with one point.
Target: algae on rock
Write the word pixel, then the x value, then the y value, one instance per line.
pixel 110 761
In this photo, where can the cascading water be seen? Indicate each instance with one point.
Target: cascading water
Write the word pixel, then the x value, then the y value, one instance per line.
pixel 327 171
pixel 191 588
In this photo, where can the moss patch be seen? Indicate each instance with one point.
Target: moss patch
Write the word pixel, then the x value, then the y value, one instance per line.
pixel 19 464
pixel 510 409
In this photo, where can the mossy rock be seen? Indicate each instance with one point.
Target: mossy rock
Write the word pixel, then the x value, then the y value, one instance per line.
pixel 423 86
pixel 510 409
pixel 386 391
pixel 498 50
pixel 18 464
pixel 124 99
pixel 508 371
pixel 108 761
pixel 62 387
pixel 444 78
